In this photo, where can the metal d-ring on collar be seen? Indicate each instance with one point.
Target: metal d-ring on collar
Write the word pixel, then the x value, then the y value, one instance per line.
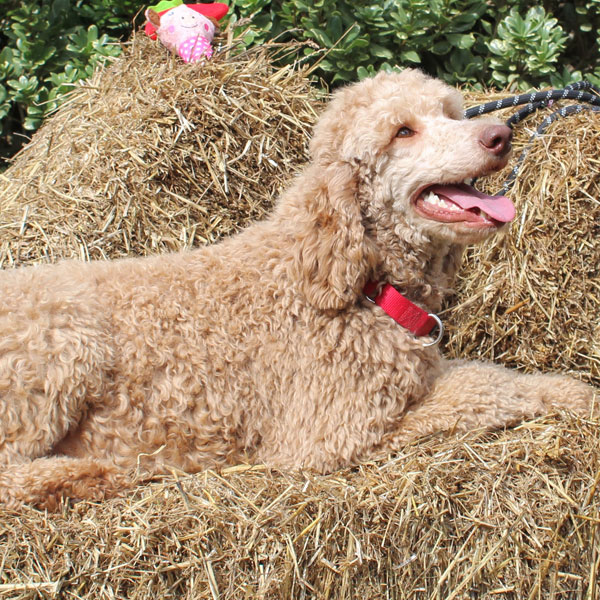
pixel 440 330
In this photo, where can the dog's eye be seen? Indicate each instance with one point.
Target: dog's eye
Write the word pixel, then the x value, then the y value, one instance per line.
pixel 405 132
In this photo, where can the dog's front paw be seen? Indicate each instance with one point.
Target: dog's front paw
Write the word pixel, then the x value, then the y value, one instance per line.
pixel 560 392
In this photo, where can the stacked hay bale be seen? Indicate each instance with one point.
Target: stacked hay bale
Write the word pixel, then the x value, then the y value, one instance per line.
pixel 532 299
pixel 155 155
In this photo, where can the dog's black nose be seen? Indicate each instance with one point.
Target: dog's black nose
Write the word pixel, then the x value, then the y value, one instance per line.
pixel 496 139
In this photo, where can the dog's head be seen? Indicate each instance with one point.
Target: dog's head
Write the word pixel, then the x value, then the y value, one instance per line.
pixel 390 156
pixel 406 134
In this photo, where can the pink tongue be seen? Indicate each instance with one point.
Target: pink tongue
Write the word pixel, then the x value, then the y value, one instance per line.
pixel 497 207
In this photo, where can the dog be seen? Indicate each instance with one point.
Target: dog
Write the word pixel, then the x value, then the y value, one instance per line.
pixel 280 345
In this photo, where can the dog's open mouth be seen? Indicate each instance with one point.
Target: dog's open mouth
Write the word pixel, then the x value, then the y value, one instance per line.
pixel 463 203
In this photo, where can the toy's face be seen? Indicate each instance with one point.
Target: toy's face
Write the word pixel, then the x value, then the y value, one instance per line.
pixel 181 23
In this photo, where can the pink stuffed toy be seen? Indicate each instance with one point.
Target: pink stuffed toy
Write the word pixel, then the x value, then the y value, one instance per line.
pixel 186 29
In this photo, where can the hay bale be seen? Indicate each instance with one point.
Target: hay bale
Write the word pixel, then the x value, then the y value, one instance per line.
pixel 154 155
pixel 532 299
pixel 511 515
pixel 506 515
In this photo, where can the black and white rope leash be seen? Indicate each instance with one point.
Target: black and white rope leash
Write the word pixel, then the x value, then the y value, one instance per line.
pixel 534 101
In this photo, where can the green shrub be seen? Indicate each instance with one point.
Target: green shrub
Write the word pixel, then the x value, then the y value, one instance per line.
pixel 47 46
pixel 363 37
pixel 462 41
pixel 526 47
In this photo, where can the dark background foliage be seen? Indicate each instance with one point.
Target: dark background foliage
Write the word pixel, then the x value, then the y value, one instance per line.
pixel 45 48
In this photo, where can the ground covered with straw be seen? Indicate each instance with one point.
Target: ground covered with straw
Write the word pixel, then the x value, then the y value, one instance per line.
pixel 153 155
pixel 505 515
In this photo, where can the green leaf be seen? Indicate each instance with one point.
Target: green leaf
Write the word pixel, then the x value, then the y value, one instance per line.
pixel 92 34
pixel 335 27
pixel 441 47
pixel 380 51
pixel 487 26
pixel 410 56
pixel 463 41
pixel 321 37
pixel 342 77
pixel 32 123
pixel 362 73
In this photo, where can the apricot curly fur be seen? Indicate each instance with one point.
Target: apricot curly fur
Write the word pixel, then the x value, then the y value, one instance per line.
pixel 263 348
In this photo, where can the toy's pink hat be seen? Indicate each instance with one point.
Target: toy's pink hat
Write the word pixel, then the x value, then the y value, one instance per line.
pixel 215 10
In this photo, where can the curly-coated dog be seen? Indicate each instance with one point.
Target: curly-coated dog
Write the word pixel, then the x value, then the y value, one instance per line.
pixel 267 347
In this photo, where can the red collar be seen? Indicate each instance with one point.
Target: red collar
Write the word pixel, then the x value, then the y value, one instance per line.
pixel 403 311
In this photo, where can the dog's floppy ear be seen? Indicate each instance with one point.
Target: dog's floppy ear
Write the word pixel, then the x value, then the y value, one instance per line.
pixel 332 257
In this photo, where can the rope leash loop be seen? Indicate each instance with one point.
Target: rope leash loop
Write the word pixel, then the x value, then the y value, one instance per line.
pixel 569 93
pixel 582 91
pixel 562 112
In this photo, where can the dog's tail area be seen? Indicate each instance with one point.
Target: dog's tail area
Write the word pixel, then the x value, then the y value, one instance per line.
pixel 46 482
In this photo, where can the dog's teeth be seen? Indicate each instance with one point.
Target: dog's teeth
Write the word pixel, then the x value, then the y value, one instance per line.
pixel 469 181
pixel 434 199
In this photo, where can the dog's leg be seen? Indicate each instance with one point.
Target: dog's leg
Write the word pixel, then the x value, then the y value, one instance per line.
pixel 39 406
pixel 55 356
pixel 471 395
pixel 44 482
